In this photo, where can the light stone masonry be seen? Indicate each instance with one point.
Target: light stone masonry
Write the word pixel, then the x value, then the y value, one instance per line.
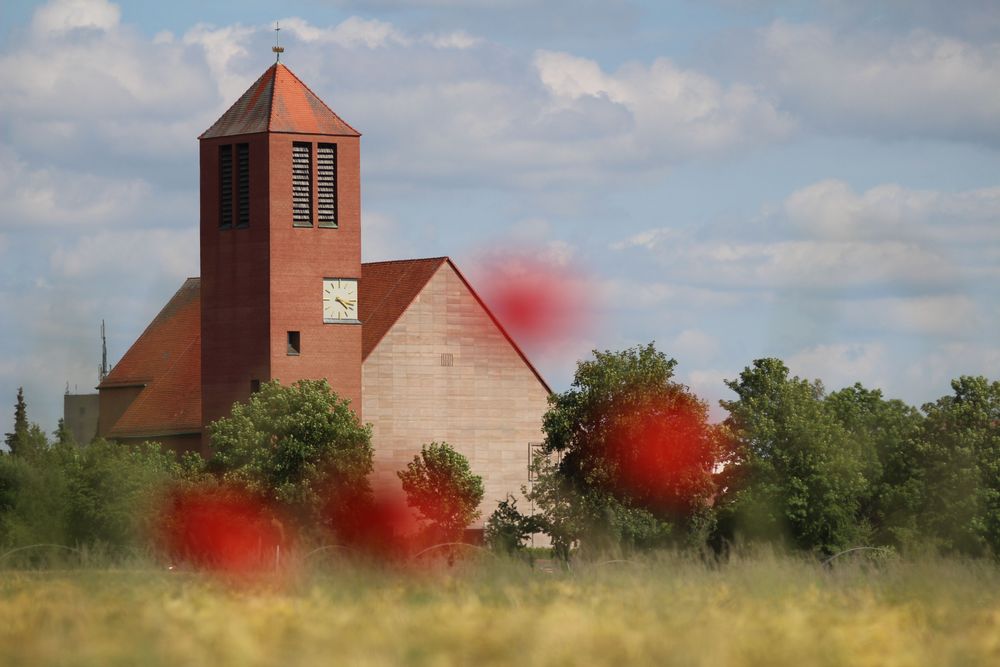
pixel 488 404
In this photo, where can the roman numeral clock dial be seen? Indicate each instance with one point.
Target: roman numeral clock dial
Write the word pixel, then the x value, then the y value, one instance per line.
pixel 340 300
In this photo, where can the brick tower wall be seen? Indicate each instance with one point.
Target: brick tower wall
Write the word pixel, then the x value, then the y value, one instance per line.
pixel 300 258
pixel 235 294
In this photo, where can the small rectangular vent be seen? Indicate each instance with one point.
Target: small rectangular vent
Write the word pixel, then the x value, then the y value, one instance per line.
pixel 301 184
pixel 243 185
pixel 447 359
pixel 225 187
pixel 326 185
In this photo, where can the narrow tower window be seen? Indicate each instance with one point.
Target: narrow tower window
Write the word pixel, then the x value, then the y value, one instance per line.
pixel 301 184
pixel 243 185
pixel 326 185
pixel 294 343
pixel 225 187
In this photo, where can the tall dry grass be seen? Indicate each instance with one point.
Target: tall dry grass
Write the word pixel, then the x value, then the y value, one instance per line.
pixel 668 609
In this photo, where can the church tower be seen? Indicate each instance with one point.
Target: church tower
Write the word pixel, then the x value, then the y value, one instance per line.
pixel 280 245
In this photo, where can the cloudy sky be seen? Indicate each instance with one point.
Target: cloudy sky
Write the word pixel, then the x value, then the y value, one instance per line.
pixel 731 179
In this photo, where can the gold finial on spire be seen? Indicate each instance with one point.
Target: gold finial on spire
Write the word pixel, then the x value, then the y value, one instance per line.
pixel 278 50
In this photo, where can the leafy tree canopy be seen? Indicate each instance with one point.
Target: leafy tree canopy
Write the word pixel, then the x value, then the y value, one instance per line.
pixel 798 471
pixel 440 484
pixel 962 451
pixel 636 449
pixel 299 446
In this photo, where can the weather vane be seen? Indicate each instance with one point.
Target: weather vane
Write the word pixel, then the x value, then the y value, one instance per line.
pixel 278 50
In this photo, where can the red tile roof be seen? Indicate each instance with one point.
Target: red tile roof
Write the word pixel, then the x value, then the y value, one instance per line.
pixel 279 102
pixel 386 289
pixel 167 356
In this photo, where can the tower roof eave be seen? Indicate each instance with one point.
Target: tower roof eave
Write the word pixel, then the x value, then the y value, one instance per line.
pixel 279 102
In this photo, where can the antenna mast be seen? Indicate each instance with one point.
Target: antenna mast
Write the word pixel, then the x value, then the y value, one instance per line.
pixel 102 372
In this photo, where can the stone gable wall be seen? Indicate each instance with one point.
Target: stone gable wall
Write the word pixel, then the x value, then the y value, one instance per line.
pixel 488 404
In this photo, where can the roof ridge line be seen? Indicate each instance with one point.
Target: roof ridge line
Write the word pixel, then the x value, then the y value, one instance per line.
pixel 303 84
pixel 149 327
pixel 270 102
pixel 441 258
pixel 386 295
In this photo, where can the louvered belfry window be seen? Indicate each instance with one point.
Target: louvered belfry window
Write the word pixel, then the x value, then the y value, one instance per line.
pixel 301 184
pixel 242 185
pixel 326 184
pixel 225 187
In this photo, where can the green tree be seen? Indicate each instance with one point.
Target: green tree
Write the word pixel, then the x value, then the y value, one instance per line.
pixel 797 473
pixel 441 486
pixel 103 494
pixel 300 447
pixel 16 439
pixel 62 434
pixel 507 530
pixel 961 440
pixel 887 433
pixel 636 451
pixel 113 491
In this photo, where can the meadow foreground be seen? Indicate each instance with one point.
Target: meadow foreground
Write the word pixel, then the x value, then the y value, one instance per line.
pixel 671 610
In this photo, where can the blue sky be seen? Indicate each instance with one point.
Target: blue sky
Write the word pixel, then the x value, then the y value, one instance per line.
pixel 732 179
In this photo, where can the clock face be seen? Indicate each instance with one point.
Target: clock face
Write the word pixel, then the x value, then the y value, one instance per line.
pixel 340 300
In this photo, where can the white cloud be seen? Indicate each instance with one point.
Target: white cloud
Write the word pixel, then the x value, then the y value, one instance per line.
pixel 827 236
pixel 381 237
pixel 356 32
pixel 693 346
pixel 650 239
pixel 222 48
pixel 842 364
pixel 61 16
pixel 954 315
pixel 57 197
pixel 169 253
pixel 353 32
pixel 458 39
pixel 832 209
pixel 679 110
pixel 644 296
pixel 941 364
pixel 709 384
pixel 919 84
pixel 814 265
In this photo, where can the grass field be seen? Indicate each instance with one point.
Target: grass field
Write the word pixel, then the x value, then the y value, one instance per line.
pixel 670 610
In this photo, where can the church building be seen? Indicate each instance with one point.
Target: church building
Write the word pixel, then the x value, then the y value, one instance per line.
pixel 283 295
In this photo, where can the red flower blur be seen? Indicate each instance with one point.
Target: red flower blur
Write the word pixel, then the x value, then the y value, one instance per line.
pixel 538 302
pixel 220 529
pixel 381 526
pixel 663 454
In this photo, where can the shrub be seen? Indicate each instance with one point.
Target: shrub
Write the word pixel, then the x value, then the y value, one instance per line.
pixel 441 486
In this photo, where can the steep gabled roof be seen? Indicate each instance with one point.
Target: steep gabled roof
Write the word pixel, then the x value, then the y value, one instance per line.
pixel 386 290
pixel 166 361
pixel 279 102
